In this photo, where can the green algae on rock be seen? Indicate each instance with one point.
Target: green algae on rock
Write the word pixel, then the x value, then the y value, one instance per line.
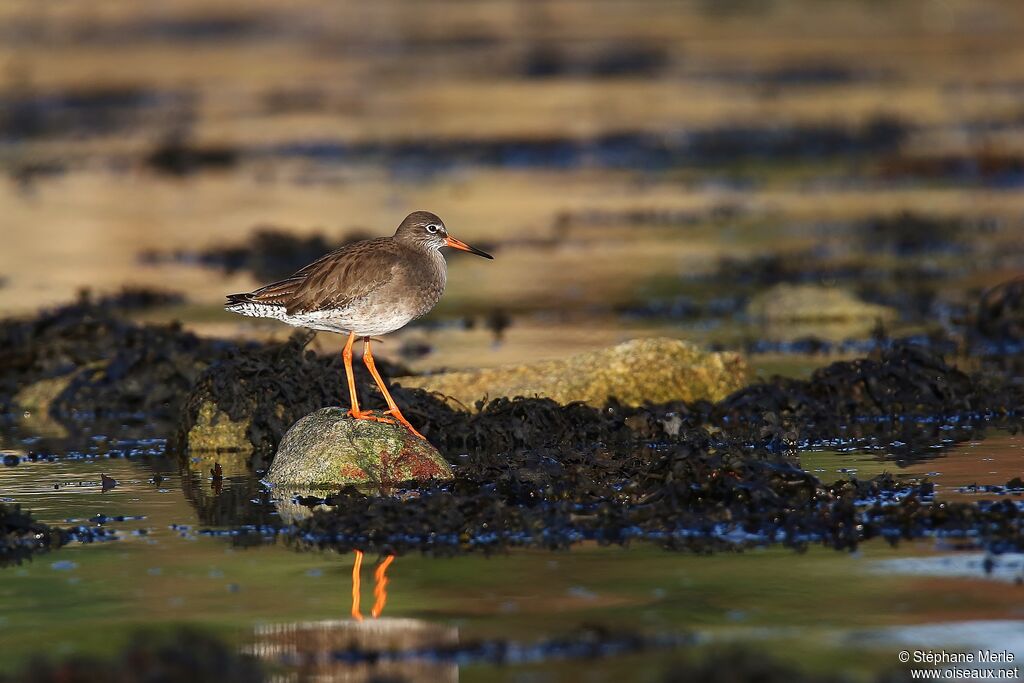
pixel 656 370
pixel 785 302
pixel 328 448
pixel 213 430
pixel 37 397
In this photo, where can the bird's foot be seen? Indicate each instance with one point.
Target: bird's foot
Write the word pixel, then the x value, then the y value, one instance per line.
pixel 401 418
pixel 369 415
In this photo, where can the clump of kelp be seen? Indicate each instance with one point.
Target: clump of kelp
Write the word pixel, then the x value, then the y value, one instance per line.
pixel 270 253
pixel 98 363
pixel 21 536
pixel 1000 314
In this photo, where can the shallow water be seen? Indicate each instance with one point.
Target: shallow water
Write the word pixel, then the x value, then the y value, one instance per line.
pixel 821 608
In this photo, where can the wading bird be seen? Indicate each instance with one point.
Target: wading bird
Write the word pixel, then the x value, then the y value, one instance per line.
pixel 364 289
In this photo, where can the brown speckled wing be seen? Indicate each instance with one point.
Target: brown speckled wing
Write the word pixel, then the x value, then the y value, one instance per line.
pixel 336 279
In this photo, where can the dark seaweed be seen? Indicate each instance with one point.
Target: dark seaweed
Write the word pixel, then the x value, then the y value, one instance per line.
pixel 627 150
pixel 991 167
pixel 903 390
pixel 97 110
pixel 178 158
pixel 532 472
pixel 119 368
pixel 691 477
pixel 681 498
pixel 901 382
pixel 912 234
pixel 547 61
pixel 151 657
pixel 271 253
pixel 1000 314
pixel 21 537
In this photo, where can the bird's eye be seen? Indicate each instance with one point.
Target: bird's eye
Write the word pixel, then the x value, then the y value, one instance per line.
pixel 432 228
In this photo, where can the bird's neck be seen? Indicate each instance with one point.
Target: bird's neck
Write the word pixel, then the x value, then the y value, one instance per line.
pixel 435 263
pixel 440 266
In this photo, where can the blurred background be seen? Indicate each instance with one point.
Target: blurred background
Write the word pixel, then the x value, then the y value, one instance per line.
pixel 792 179
pixel 752 174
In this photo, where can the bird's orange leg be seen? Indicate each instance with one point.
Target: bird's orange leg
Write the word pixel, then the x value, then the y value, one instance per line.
pixel 356 566
pixel 380 588
pixel 354 411
pixel 392 410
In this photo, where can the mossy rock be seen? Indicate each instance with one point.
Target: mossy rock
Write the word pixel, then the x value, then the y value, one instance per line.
pixel 39 396
pixel 35 401
pixel 214 431
pixel 656 370
pixel 814 303
pixel 327 449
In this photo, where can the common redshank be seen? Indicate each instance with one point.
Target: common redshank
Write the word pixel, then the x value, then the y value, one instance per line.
pixel 364 289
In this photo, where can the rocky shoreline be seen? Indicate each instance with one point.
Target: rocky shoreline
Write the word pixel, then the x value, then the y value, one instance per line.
pixel 698 474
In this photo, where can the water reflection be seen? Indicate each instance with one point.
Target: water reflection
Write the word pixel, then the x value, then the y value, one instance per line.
pixel 334 650
pixel 357 649
pixel 380 586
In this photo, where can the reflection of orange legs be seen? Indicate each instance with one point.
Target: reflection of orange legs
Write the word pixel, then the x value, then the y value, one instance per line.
pixel 356 566
pixel 346 355
pixel 393 410
pixel 380 589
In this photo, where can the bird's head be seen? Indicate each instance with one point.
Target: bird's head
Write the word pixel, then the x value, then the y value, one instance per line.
pixel 427 231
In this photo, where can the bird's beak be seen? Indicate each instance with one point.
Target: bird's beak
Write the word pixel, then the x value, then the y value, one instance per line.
pixel 462 246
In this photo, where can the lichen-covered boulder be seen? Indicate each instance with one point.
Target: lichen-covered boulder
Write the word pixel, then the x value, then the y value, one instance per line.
pixel 786 303
pixel 656 370
pixel 327 449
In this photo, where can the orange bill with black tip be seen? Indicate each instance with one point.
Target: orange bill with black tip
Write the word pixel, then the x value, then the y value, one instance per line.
pixel 462 246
